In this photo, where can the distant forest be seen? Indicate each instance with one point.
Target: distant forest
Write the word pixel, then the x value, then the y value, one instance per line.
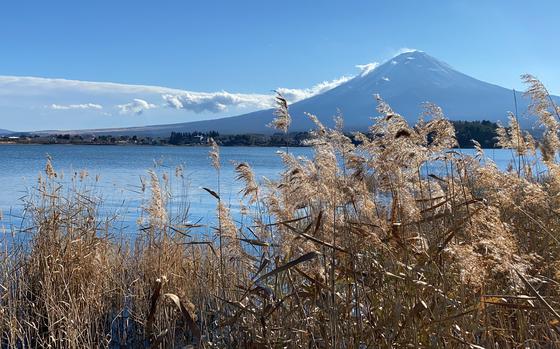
pixel 275 140
pixel 482 131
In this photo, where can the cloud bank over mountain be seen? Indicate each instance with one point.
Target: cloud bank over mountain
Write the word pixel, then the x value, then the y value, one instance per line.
pixel 32 103
pixel 295 95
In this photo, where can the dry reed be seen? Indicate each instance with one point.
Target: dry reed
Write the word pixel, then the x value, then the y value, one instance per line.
pixel 399 241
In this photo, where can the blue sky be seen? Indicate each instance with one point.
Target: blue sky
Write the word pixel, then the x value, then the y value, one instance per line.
pixel 256 46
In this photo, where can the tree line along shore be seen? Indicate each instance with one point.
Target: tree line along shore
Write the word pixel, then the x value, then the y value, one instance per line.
pixel 484 132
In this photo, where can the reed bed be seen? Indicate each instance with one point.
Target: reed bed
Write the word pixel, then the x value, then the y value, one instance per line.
pixel 363 246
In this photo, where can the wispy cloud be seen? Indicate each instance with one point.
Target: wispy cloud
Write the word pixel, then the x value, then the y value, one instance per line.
pixel 137 106
pixel 35 85
pixel 367 68
pixel 295 94
pixel 75 106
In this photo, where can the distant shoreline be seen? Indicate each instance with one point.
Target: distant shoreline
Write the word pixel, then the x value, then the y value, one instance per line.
pixel 484 132
pixel 181 146
pixel 148 145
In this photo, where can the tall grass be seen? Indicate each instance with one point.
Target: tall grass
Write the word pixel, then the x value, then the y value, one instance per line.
pixel 362 246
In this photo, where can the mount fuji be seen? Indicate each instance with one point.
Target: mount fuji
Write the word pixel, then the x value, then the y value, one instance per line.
pixel 405 82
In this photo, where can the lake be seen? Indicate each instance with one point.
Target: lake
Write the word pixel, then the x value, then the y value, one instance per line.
pixel 120 169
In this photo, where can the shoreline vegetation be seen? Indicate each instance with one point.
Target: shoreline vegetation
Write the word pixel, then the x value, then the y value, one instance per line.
pixel 484 132
pixel 355 247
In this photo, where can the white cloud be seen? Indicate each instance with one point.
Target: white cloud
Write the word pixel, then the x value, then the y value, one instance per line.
pixel 75 106
pixel 33 92
pixel 216 102
pixel 36 85
pixel 137 106
pixel 367 68
pixel 294 94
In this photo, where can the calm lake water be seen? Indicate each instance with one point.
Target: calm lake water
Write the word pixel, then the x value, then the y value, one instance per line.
pixel 120 169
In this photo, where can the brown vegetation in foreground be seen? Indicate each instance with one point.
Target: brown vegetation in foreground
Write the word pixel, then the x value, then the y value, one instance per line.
pixel 359 247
